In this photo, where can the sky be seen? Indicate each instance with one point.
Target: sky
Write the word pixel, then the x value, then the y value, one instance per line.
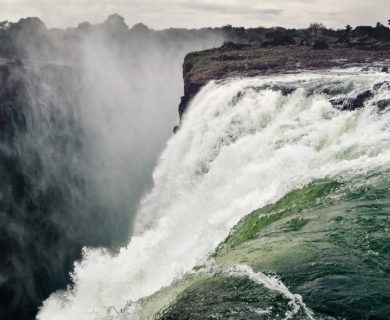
pixel 161 14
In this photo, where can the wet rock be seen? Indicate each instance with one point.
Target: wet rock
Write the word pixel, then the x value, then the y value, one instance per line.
pixel 350 104
pixel 382 85
pixel 190 91
pixel 176 129
pixel 382 104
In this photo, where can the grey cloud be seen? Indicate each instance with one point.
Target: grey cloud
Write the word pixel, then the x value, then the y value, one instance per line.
pixel 161 14
pixel 230 9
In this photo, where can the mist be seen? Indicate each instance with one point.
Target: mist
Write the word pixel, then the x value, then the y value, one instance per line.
pixel 91 109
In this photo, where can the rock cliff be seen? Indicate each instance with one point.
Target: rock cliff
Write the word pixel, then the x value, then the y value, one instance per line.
pixel 234 60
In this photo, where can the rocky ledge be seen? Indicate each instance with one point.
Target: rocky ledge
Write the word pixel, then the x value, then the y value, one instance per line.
pixel 240 60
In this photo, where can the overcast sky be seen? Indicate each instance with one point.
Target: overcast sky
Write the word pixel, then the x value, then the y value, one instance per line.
pixel 159 14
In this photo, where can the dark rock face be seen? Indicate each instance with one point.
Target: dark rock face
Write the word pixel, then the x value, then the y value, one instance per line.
pixel 351 104
pixel 383 104
pixel 176 129
pixel 44 187
pixel 382 85
pixel 36 253
pixel 191 91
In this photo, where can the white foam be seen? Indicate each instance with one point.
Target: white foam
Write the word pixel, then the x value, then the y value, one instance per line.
pixel 275 284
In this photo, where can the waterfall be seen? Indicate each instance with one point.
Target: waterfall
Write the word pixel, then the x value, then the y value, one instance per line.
pixel 243 144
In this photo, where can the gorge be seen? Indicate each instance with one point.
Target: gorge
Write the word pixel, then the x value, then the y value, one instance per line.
pixel 270 201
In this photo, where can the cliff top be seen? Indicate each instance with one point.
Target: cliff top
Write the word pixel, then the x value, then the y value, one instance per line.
pixel 240 60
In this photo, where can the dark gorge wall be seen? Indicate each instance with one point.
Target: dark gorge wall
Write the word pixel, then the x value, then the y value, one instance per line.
pixel 32 206
pixel 49 206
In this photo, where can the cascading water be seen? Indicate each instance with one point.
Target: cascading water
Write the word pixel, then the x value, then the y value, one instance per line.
pixel 84 115
pixel 243 144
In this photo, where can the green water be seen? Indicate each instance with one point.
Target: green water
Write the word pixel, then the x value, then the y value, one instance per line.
pixel 223 297
pixel 328 242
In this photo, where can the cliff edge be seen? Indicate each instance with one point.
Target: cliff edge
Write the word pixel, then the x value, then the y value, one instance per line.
pixel 241 60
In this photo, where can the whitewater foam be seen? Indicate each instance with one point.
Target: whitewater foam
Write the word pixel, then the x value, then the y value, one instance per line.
pixel 242 145
pixel 275 284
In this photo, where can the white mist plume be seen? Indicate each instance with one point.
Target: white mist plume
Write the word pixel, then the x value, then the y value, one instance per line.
pixel 123 95
pixel 89 111
pixel 132 86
